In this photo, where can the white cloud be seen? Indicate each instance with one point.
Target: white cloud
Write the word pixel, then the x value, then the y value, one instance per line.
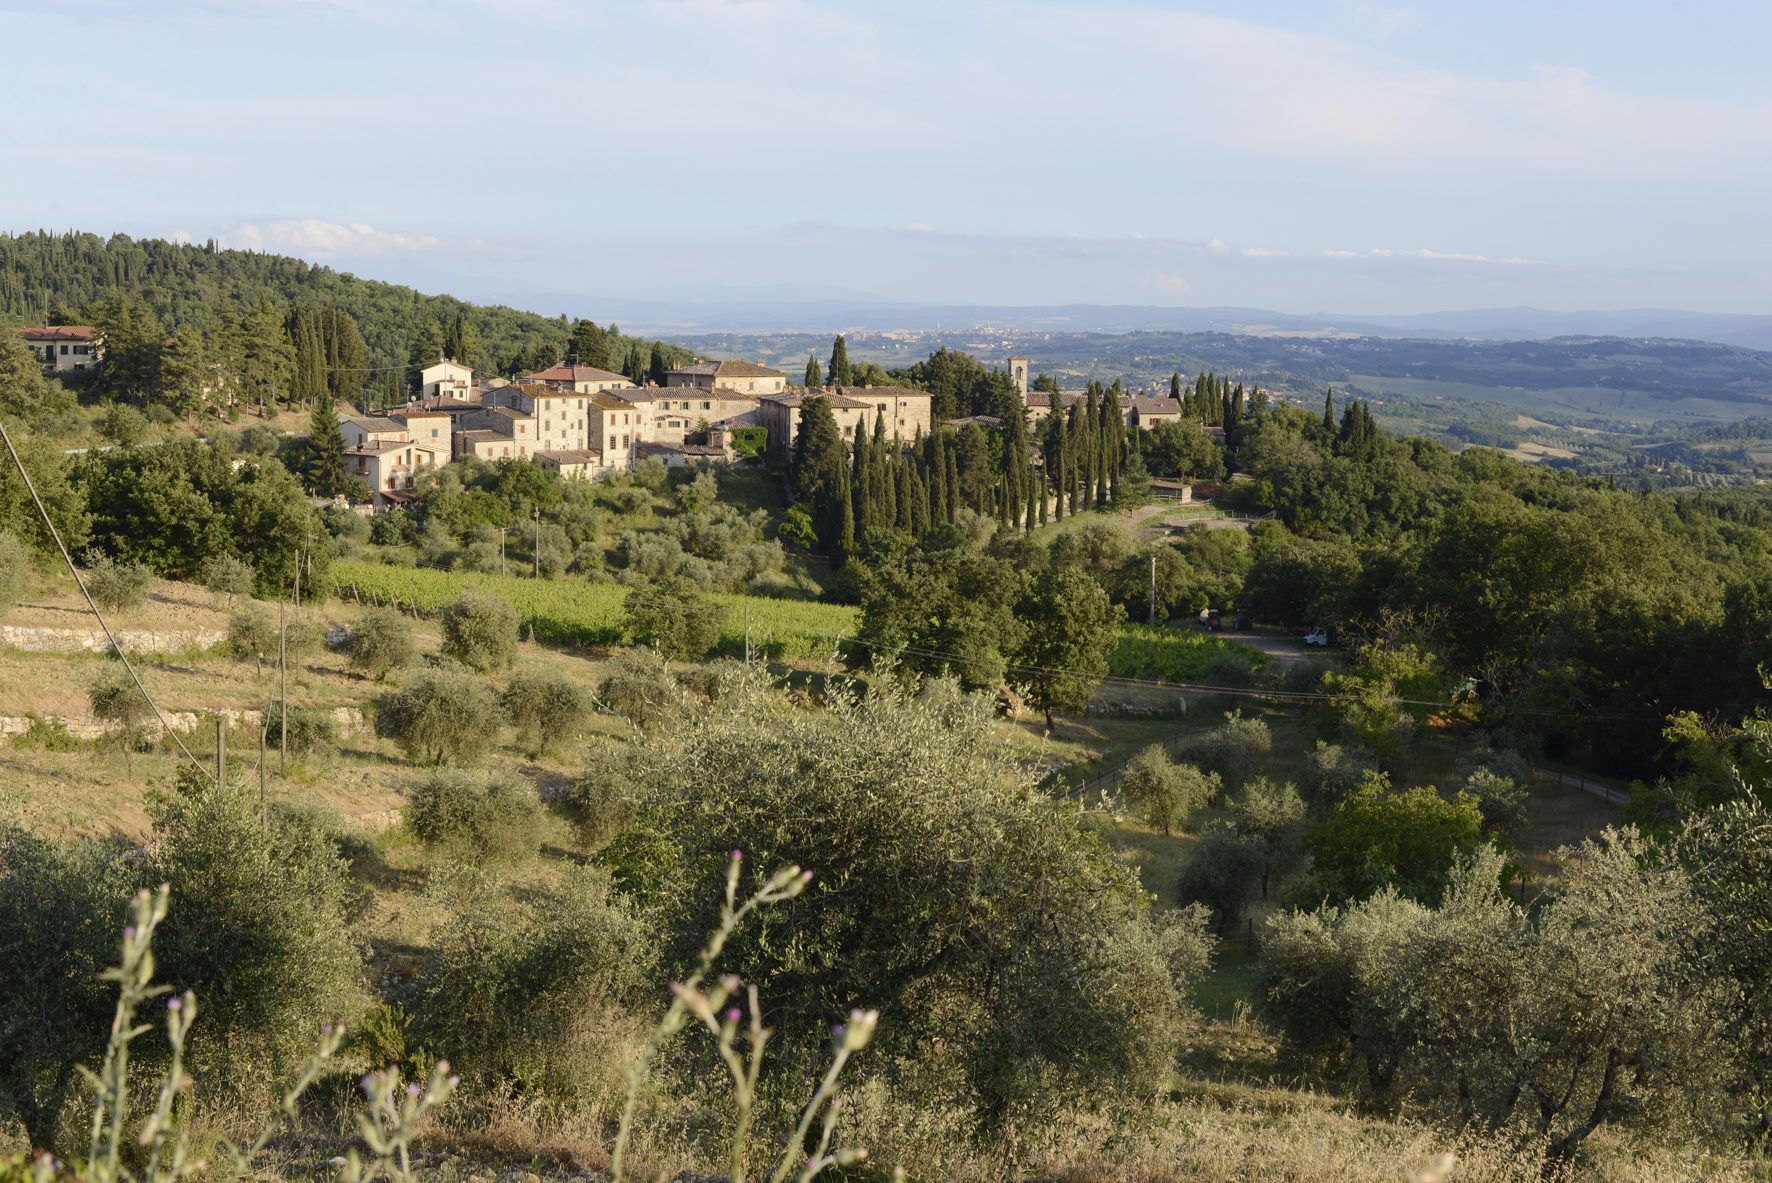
pixel 1427 254
pixel 325 239
pixel 1217 247
pixel 1257 252
pixel 1167 281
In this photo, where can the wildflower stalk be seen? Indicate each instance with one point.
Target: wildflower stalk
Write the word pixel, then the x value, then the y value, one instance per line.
pixel 783 885
pixel 853 1038
pixel 392 1122
pixel 135 980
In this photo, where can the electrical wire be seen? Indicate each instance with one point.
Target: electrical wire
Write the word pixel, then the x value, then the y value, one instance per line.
pixel 81 584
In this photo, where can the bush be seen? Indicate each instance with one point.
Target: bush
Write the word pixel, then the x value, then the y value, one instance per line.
pixel 1337 771
pixel 1229 751
pixel 540 996
pixel 1221 873
pixel 312 731
pixel 226 577
pixel 1230 669
pixel 1167 792
pixel 1066 991
pixel 1501 802
pixel 392 529
pixel 123 425
pixel 59 908
pixel 650 474
pixel 442 717
pixel 545 708
pixel 382 641
pixel 497 820
pixel 1408 840
pixel 639 687
pixel 15 571
pixel 259 928
pixel 674 617
pixel 116 587
pixel 114 697
pixel 252 632
pixel 480 631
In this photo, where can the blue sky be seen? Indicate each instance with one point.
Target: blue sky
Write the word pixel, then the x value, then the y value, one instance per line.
pixel 1306 155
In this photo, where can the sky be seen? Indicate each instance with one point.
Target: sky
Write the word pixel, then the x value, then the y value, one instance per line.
pixel 1296 155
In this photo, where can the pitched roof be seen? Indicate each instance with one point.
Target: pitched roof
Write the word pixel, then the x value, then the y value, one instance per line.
pixel 438 402
pixel 574 374
pixel 60 333
pixel 1155 406
pixel 730 368
pixel 426 412
pixel 881 392
pixel 507 413
pixel 793 398
pixel 375 426
pixel 480 437
pixel 569 456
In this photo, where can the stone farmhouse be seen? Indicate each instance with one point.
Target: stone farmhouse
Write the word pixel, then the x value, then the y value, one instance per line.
pixel 64 348
pixel 904 413
pixel 1136 411
pixel 740 377
pixel 383 453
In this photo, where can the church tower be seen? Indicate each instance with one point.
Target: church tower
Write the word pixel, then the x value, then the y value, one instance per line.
pixel 1018 373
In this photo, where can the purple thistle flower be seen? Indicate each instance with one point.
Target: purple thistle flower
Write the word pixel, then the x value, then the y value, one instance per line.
pixel 738 856
pixel 175 1003
pixel 733 1015
pixel 129 932
pixel 412 1090
pixel 454 1080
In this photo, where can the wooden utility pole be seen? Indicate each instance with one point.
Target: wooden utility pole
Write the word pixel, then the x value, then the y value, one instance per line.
pixel 283 684
pixel 536 552
pixel 1153 591
pixel 747 634
pixel 221 750
pixel 501 550
pixel 264 725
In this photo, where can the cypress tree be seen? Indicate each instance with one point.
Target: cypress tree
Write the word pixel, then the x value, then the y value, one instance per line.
pixel 814 379
pixel 938 485
pixel 1237 405
pixel 919 502
pixel 655 369
pixel 953 483
pixel 859 481
pixel 846 524
pixel 841 372
pixel 1057 462
pixel 1113 425
pixel 906 476
pixel 818 453
pixel 1329 414
pixel 1175 387
pixel 326 449
pixel 1089 455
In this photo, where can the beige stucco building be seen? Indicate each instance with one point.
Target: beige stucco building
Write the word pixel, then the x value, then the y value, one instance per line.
pixel 741 377
pixel 579 379
pixel 445 379
pixel 65 348
pixel 903 413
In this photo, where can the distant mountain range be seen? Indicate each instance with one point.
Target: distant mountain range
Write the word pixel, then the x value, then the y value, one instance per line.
pixel 809 308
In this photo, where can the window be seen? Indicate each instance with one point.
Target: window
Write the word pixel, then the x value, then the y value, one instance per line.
pixel 612 443
pixel 433 433
pixel 64 350
pixel 848 429
pixel 624 441
pixel 707 406
pixel 882 406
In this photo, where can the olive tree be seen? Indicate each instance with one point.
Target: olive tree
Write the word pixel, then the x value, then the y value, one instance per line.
pixel 947 890
pixel 116 587
pixel 382 641
pixel 1167 792
pixel 674 616
pixel 480 630
pixel 442 717
pixel 115 698
pixel 226 577
pixel 545 707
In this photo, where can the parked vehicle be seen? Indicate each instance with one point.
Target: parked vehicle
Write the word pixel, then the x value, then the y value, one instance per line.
pixel 1209 619
pixel 1321 635
pixel 1243 622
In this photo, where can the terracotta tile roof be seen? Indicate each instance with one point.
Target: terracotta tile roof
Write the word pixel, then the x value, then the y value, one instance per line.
pixel 60 333
pixel 877 392
pixel 480 437
pixel 570 456
pixel 1154 406
pixel 574 374
pixel 507 413
pixel 793 398
pixel 731 368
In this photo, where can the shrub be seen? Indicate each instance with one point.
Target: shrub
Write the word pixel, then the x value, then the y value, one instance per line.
pixel 441 717
pixel 382 641
pixel 545 707
pixel 392 529
pixel 1337 771
pixel 1230 669
pixel 542 994
pixel 1167 792
pixel 1229 750
pixel 1221 873
pixel 312 731
pixel 674 617
pixel 115 698
pixel 911 823
pixel 123 425
pixel 480 631
pixel 59 906
pixel 259 927
pixel 15 571
pixel 116 587
pixel 639 687
pixel 1271 818
pixel 496 820
pixel 226 577
pixel 650 474
pixel 252 632
pixel 1408 840
pixel 1501 802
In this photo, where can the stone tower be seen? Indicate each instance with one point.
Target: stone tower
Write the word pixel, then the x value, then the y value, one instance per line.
pixel 1018 373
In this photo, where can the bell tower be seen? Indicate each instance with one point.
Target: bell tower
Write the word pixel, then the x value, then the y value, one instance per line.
pixel 1018 373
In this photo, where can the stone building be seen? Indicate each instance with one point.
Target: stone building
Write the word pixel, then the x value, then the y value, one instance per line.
pixel 904 413
pixel 740 377
pixel 579 379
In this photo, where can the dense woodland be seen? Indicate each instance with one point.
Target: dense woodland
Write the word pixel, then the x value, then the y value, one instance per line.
pixel 246 326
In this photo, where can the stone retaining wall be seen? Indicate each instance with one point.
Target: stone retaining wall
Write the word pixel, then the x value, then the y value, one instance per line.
pixel 130 640
pixel 349 721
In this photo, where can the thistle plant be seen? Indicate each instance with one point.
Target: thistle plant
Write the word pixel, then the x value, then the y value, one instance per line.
pixel 710 1008
pixel 387 1129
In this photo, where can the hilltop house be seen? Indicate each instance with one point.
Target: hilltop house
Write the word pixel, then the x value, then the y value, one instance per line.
pixel 517 428
pixel 446 379
pixel 65 347
pixel 558 414
pixel 741 377
pixel 904 413
pixel 579 379
pixel 1136 411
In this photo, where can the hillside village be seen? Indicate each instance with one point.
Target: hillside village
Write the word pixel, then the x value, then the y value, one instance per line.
pixel 503 655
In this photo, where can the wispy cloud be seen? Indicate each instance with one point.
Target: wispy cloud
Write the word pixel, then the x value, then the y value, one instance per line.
pixel 325 239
